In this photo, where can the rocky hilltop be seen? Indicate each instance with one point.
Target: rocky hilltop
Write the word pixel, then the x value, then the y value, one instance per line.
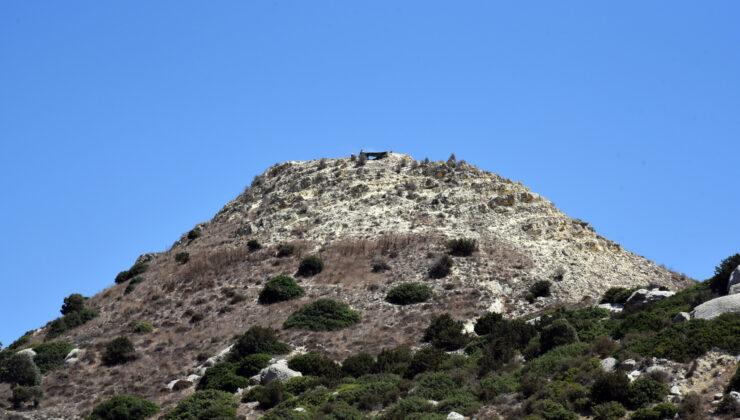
pixel 374 224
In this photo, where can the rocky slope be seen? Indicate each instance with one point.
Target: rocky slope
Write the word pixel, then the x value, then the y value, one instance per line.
pixel 351 214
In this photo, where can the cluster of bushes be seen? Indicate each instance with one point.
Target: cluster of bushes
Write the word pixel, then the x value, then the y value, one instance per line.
pixel 74 314
pixel 322 315
pixel 124 407
pixel 135 270
pixel 279 289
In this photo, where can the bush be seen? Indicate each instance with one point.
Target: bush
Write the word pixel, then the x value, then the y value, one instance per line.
pixel 407 406
pixel 540 289
pixel 50 356
pixel 257 340
pixel 394 360
pixel 285 250
pixel 617 295
pixel 341 411
pixel 610 387
pixel 722 272
pixel 208 404
pixel 24 394
pixel 445 333
pixel 143 327
pixel 135 270
pixel 734 384
pixel 516 331
pixel 279 289
pixel 425 359
pixel 551 410
pixel 118 351
pixel 381 266
pixel 252 364
pixel 460 401
pixel 408 293
pixel 493 386
pixel 558 333
pixel 254 393
pixel 132 284
pixel 644 390
pixel 691 407
pixel 222 376
pixel 272 394
pixel 194 234
pixel 19 369
pixel 316 365
pixel 253 245
pixel 310 266
pixel 496 352
pixel 659 412
pixel 611 410
pixel 442 268
pixel 359 364
pixel 124 407
pixel 300 384
pixel 73 303
pixel 462 247
pixel 322 315
pixel 182 257
pixel 436 386
pixel 67 322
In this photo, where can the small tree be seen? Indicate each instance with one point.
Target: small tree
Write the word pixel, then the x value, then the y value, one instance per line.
pixel 257 340
pixel 73 303
pixel 445 333
pixel 722 272
pixel 118 351
pixel 540 289
pixel 310 266
pixel 19 369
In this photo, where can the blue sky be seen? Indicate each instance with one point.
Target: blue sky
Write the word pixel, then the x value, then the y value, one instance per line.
pixel 123 124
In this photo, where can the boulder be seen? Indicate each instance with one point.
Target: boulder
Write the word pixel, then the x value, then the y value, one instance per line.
pixel 28 352
pixel 733 285
pixel 643 296
pixel 609 364
pixel 613 308
pixel 735 395
pixel 455 416
pixel 675 390
pixel 716 307
pixel 682 317
pixel 278 371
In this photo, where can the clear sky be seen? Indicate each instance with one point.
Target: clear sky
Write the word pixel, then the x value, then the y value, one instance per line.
pixel 123 124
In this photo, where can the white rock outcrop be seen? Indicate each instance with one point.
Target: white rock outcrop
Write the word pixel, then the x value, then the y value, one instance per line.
pixel 609 364
pixel 278 371
pixel 733 285
pixel 28 352
pixel 455 416
pixel 716 307
pixel 643 296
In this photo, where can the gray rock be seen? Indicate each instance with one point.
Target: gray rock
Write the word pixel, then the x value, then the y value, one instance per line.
pixel 278 371
pixel 735 395
pixel 28 352
pixel 628 364
pixel 609 364
pixel 675 390
pixel 612 307
pixel 299 409
pixel 716 307
pixel 455 416
pixel 682 317
pixel 733 285
pixel 643 296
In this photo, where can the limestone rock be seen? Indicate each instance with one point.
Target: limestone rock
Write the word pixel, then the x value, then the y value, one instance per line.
pixel 612 307
pixel 716 307
pixel 675 390
pixel 735 395
pixel 455 416
pixel 609 364
pixel 733 285
pixel 278 371
pixel 682 317
pixel 28 352
pixel 643 296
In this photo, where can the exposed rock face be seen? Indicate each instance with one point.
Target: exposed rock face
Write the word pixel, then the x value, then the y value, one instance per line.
pixel 682 317
pixel 28 352
pixel 277 372
pixel 716 307
pixel 733 285
pixel 643 296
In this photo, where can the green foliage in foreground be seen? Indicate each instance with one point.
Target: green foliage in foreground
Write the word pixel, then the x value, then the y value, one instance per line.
pixel 208 404
pixel 322 315
pixel 50 356
pixel 124 407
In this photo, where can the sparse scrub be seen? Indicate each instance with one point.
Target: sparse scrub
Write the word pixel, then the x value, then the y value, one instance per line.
pixel 124 407
pixel 380 267
pixel 132 284
pixel 441 268
pixel 322 315
pixel 285 250
pixel 253 245
pixel 463 247
pixel 118 351
pixel 143 327
pixel 182 257
pixel 310 266
pixel 280 288
pixel 408 293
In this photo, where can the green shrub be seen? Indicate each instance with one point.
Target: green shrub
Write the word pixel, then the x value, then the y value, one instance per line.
pixel 19 343
pixel 316 365
pixel 310 266
pixel 722 272
pixel 551 410
pixel 617 295
pixel 516 331
pixel 558 333
pixel 257 340
pixel 50 356
pixel 322 315
pixel 222 376
pixel 143 327
pixel 370 391
pixel 734 384
pixel 300 384
pixel 610 387
pixel 135 270
pixel 132 284
pixel 441 268
pixel 208 404
pixel 341 411
pixel 493 386
pixel 549 362
pixel 463 247
pixel 691 407
pixel 24 394
pixel 253 245
pixel 540 289
pixel 445 333
pixel 272 394
pixel 118 351
pixel 408 293
pixel 611 410
pixel 394 360
pixel 285 250
pixel 182 257
pixel 436 386
pixel 380 266
pixel 407 406
pixel 459 401
pixel 359 364
pixel 496 352
pixel 194 234
pixel 124 407
pixel 252 364
pixel 254 393
pixel 19 369
pixel 659 412
pixel 285 413
pixel 279 289
pixel 644 390
pixel 73 303
pixel 425 359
